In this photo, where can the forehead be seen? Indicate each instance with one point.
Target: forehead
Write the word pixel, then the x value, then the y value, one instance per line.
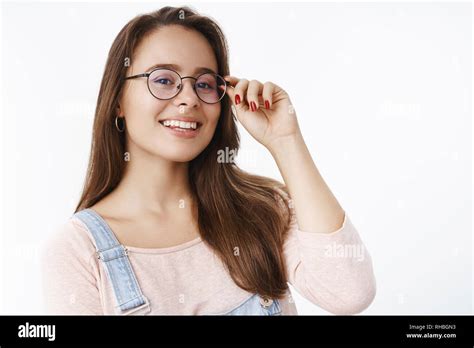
pixel 176 45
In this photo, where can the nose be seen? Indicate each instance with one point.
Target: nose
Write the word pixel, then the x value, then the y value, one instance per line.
pixel 187 95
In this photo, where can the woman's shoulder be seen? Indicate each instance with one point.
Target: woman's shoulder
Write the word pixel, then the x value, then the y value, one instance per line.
pixel 69 268
pixel 69 238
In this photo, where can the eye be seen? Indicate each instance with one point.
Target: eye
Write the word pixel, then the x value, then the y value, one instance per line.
pixel 162 81
pixel 203 85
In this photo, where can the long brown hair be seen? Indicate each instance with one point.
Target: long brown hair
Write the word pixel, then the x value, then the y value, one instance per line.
pixel 240 215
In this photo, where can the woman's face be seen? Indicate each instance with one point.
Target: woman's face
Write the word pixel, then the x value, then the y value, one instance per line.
pixel 189 51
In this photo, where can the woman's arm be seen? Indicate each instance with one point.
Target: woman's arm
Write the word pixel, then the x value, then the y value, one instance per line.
pixel 316 208
pixel 332 270
pixel 266 112
pixel 325 257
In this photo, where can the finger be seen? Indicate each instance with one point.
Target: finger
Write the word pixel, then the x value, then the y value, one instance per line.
pixel 267 94
pixel 231 94
pixel 240 90
pixel 232 80
pixel 229 91
pixel 254 89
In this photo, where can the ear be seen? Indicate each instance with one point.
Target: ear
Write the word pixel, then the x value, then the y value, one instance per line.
pixel 119 110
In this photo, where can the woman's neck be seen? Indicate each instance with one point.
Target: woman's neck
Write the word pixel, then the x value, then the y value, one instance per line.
pixel 154 185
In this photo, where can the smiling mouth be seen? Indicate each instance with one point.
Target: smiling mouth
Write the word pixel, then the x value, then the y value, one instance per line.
pixel 173 124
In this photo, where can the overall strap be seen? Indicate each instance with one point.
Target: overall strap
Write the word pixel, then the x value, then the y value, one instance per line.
pixel 115 258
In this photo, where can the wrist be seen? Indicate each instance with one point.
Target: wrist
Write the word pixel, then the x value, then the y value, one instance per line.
pixel 285 144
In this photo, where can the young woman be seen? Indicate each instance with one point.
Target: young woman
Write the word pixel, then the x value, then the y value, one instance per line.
pixel 167 223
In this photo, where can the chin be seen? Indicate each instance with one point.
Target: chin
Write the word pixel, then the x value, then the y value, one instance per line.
pixel 177 155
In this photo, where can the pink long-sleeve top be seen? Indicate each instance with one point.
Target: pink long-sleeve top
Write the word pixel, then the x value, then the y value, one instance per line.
pixel 332 270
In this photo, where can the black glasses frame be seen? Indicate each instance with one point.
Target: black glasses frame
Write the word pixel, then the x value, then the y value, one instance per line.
pixel 147 75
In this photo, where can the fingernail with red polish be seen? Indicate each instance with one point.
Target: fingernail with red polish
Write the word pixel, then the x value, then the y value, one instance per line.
pixel 237 99
pixel 267 104
pixel 253 106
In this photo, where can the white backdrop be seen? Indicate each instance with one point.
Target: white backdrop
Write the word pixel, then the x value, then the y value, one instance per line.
pixel 383 96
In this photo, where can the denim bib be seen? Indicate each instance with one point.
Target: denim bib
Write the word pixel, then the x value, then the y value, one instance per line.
pixel 128 295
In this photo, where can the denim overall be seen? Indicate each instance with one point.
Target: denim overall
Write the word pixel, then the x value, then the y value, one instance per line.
pixel 128 295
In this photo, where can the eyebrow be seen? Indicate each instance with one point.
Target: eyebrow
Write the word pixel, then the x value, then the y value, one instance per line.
pixel 178 68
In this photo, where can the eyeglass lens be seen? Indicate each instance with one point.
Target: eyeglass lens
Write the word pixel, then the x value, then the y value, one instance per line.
pixel 165 84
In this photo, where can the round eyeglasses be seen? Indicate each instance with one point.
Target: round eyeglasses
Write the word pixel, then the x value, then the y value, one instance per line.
pixel 164 84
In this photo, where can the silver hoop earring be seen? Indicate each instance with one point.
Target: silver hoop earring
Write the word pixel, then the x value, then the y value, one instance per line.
pixel 116 124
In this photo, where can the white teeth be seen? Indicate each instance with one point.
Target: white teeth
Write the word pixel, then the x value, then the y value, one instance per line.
pixel 180 124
